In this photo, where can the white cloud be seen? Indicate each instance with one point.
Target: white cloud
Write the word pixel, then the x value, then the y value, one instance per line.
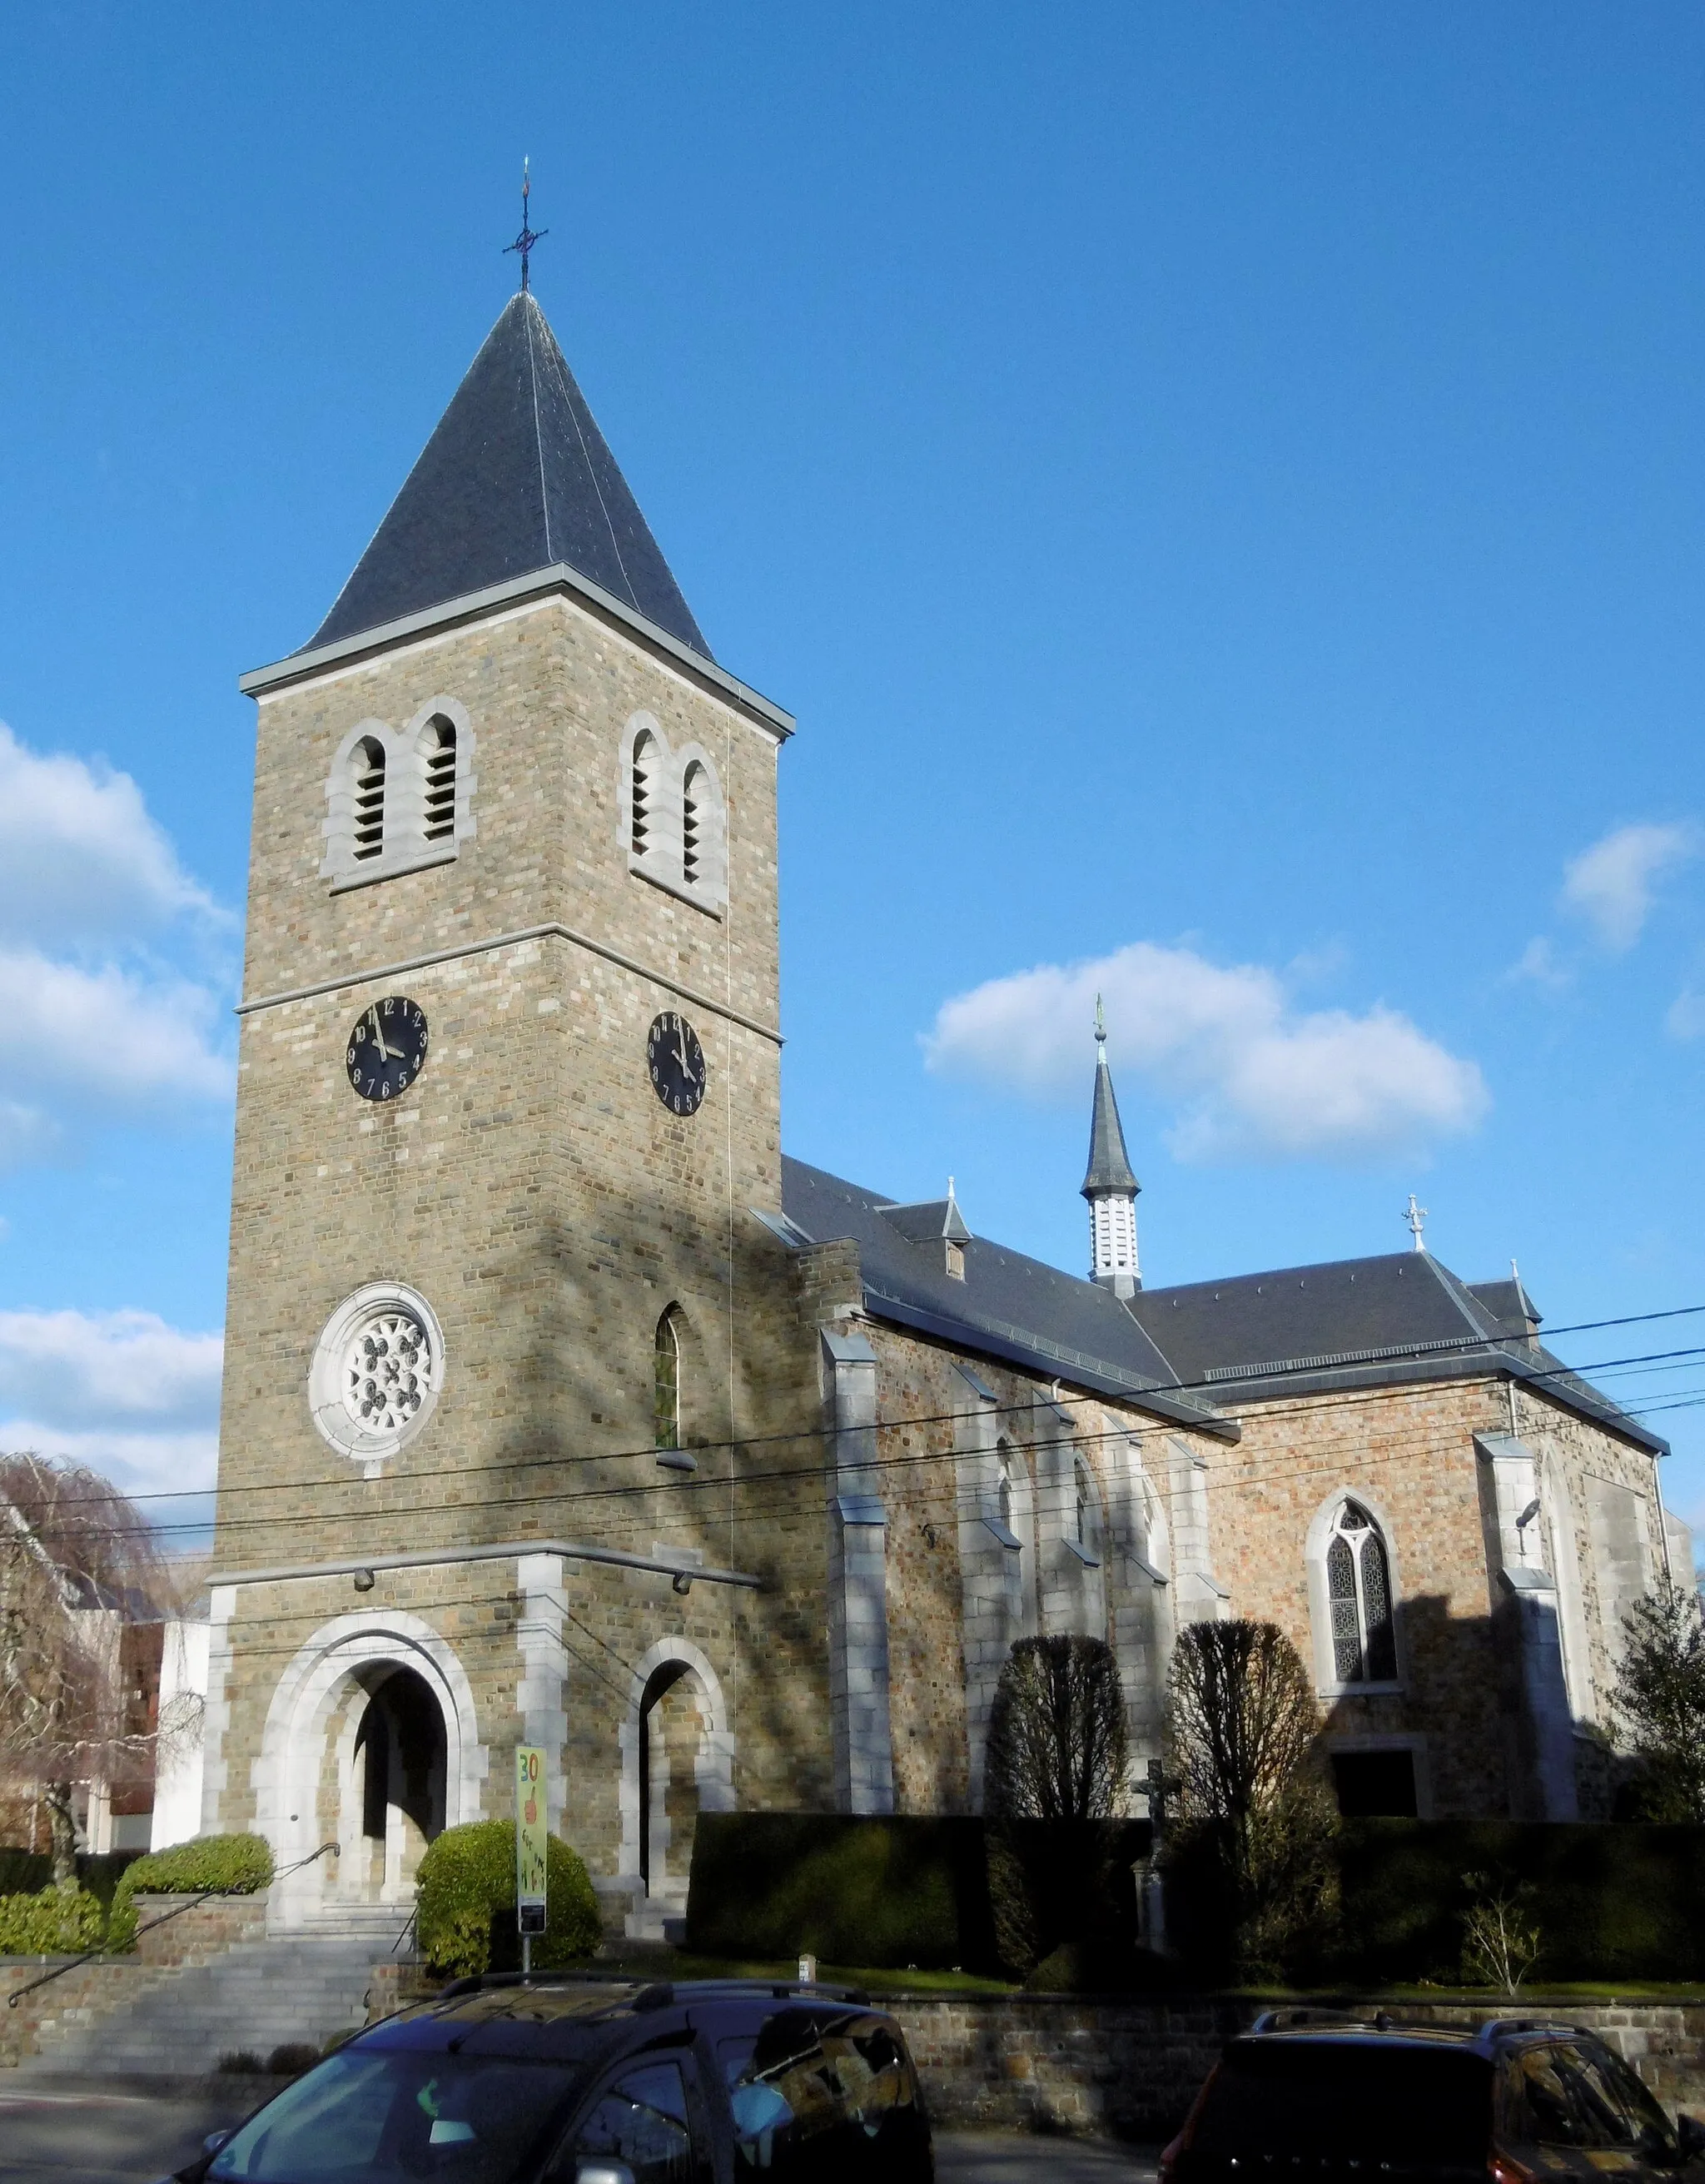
pixel 104 1045
pixel 1612 884
pixel 1538 964
pixel 1255 1077
pixel 124 1392
pixel 81 858
pixel 1685 1019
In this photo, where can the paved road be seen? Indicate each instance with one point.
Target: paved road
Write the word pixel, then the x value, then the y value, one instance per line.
pixel 130 2138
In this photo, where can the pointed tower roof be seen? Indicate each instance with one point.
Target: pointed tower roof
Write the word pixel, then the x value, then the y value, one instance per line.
pixel 1110 1166
pixel 516 477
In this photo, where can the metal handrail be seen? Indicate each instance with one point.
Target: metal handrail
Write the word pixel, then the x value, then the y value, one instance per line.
pixel 75 1964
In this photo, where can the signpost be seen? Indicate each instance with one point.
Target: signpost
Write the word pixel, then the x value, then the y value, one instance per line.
pixel 529 1848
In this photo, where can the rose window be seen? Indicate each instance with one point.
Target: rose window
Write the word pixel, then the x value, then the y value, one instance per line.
pixel 376 1372
pixel 385 1373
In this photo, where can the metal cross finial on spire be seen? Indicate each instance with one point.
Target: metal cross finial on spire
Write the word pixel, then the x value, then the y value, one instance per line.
pixel 1415 1220
pixel 1101 1021
pixel 529 236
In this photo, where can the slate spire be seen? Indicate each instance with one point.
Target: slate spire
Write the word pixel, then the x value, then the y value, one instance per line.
pixel 516 477
pixel 1109 1185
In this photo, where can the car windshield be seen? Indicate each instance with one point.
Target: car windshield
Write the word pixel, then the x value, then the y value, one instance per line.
pixel 395 2115
pixel 1348 2097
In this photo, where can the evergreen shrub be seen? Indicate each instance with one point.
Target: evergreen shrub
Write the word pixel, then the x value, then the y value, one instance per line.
pixel 56 1921
pixel 232 1865
pixel 466 1894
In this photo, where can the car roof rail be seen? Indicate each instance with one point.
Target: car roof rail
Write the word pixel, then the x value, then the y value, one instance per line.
pixel 1497 2028
pixel 1301 2016
pixel 777 1990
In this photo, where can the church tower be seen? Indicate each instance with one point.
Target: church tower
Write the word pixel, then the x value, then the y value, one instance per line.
pixel 501 1298
pixel 1109 1185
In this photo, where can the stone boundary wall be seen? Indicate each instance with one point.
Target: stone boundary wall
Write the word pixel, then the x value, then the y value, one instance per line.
pixel 82 1997
pixel 1130 2069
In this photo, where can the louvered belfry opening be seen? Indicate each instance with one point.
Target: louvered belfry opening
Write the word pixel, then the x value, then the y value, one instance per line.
pixel 441 780
pixel 691 825
pixel 367 761
pixel 641 825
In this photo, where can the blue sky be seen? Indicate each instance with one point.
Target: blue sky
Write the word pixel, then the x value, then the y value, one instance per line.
pixel 1220 486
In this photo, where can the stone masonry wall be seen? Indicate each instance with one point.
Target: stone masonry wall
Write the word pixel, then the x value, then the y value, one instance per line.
pixel 1131 2069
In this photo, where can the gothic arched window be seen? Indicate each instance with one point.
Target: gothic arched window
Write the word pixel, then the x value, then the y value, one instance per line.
pixel 665 1401
pixel 438 750
pixel 1085 1514
pixel 367 770
pixel 1358 1587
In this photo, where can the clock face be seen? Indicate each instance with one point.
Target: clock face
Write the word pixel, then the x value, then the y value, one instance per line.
pixel 387 1048
pixel 677 1062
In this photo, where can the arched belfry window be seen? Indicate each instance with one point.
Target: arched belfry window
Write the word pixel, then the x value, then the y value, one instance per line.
pixel 1359 1588
pixel 438 750
pixel 641 793
pixel 400 800
pixel 674 822
pixel 665 1399
pixel 367 765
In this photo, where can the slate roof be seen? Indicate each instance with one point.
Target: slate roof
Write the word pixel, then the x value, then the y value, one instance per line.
pixel 516 477
pixel 1008 1306
pixel 1110 1166
pixel 1402 1316
pixel 1186 1352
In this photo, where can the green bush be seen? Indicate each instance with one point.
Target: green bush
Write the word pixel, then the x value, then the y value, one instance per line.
pixel 467 1899
pixel 1611 1903
pixel 56 1921
pixel 903 1892
pixel 233 1865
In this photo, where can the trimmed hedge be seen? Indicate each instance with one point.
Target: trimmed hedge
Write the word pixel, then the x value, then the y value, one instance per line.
pixel 233 1865
pixel 466 1894
pixel 27 1872
pixel 936 1894
pixel 1612 1901
pixel 56 1921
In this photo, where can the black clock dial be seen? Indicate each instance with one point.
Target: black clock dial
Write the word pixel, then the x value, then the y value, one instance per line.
pixel 388 1047
pixel 676 1063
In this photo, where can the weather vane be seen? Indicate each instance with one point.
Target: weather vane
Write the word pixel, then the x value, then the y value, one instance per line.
pixel 529 236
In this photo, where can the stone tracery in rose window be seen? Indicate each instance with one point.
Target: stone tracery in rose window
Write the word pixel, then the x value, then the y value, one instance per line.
pixel 385 1372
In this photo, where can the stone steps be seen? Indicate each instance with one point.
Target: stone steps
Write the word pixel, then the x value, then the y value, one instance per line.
pixel 258 1995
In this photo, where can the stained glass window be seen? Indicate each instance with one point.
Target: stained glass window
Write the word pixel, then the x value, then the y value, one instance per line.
pixel 1358 1589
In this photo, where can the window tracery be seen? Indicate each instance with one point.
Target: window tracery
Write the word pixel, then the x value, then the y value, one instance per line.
pixel 1358 1587
pixel 666 1395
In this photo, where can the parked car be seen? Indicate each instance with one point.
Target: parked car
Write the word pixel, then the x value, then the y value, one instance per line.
pixel 1519 2100
pixel 563 2080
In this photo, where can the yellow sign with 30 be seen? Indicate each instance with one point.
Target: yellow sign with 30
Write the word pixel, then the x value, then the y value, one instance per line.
pixel 529 1839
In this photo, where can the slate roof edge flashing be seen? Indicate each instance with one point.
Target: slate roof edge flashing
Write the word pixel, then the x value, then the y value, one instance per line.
pixel 1458 1363
pixel 536 583
pixel 1036 1355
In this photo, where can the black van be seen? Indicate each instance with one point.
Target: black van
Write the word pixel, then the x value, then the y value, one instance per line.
pixel 558 2080
pixel 1518 2100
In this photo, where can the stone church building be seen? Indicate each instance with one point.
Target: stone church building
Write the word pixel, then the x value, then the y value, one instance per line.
pixel 561 1408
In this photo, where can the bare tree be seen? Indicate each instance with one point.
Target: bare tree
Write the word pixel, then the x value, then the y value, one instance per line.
pixel 1658 1701
pixel 77 1561
pixel 1248 1804
pixel 1056 1735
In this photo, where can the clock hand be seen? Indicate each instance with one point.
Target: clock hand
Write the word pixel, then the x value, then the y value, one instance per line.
pixel 385 1053
pixel 686 1068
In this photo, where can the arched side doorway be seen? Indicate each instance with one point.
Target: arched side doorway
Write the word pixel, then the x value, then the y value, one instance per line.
pixel 371 1742
pixel 676 1762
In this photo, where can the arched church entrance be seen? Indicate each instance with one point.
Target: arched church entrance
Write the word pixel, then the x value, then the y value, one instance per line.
pixel 370 1743
pixel 676 1758
pixel 398 1778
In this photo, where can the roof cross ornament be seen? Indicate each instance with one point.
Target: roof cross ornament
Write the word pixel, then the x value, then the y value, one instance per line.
pixel 1100 1026
pixel 529 236
pixel 1415 1220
